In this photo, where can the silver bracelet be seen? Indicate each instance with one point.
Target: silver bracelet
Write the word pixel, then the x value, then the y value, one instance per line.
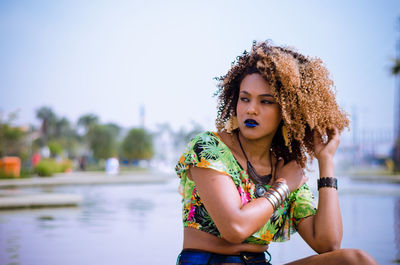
pixel 276 194
pixel 282 190
pixel 281 193
pixel 272 200
pixel 283 186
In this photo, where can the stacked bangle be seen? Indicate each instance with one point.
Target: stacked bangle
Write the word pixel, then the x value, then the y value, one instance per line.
pixel 327 183
pixel 278 192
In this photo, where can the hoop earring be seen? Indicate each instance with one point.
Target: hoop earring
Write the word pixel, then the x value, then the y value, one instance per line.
pixel 285 135
pixel 232 124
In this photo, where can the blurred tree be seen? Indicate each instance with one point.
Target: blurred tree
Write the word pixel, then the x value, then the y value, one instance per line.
pixel 114 128
pixel 62 127
pixel 102 141
pixel 48 118
pixel 396 67
pixel 138 144
pixel 396 150
pixel 396 72
pixel 11 137
pixel 88 121
pixel 66 136
pixel 55 148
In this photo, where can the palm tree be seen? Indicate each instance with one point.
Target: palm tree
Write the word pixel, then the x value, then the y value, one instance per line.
pixel 62 127
pixel 396 152
pixel 87 121
pixel 48 118
pixel 396 67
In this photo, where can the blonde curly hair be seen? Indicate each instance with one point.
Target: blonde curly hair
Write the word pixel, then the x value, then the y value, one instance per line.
pixel 302 88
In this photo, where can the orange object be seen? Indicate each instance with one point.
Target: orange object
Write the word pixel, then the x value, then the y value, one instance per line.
pixel 10 166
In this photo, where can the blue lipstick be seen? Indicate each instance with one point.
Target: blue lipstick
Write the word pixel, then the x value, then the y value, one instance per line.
pixel 250 123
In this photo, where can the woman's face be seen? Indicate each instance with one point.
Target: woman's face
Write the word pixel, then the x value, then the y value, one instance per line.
pixel 257 112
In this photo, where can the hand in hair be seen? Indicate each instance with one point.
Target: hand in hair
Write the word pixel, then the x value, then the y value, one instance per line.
pixel 326 149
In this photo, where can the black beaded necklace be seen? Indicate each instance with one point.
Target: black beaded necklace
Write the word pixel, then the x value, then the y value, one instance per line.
pixel 257 179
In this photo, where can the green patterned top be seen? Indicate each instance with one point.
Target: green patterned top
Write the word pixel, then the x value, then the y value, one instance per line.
pixel 206 150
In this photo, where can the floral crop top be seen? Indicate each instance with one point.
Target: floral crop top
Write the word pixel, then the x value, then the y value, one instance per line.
pixel 206 150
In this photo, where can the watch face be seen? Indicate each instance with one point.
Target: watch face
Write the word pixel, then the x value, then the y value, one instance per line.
pixel 260 190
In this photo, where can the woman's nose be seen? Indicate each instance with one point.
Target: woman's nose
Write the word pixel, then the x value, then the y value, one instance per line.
pixel 252 110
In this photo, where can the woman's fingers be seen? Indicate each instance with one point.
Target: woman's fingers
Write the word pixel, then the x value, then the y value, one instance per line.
pixel 334 138
pixel 326 148
pixel 305 179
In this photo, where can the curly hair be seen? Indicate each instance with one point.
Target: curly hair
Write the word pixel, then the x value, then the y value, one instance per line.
pixel 302 88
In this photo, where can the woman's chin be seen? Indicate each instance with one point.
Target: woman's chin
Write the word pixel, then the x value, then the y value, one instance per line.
pixel 251 133
pixel 254 133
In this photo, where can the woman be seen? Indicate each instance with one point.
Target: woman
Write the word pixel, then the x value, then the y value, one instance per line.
pixel 244 186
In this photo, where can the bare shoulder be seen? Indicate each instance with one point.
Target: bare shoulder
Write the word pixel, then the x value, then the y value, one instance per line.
pixel 230 141
pixel 226 138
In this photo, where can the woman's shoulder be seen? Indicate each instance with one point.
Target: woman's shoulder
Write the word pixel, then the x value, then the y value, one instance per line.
pixel 206 133
pixel 221 140
pixel 205 138
pixel 207 150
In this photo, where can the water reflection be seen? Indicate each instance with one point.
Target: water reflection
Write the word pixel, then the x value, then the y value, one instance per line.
pixel 397 228
pixel 12 249
pixel 124 224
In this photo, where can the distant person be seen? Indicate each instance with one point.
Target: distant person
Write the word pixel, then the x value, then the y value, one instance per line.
pixel 36 159
pixel 244 186
pixel 45 152
pixel 112 166
pixel 82 163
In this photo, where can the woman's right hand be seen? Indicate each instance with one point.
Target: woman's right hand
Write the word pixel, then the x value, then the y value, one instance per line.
pixel 291 174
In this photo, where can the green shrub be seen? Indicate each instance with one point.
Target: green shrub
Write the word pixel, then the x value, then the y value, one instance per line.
pixel 55 148
pixel 65 165
pixel 47 167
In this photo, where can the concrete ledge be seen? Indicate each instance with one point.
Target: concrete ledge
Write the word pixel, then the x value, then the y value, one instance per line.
pixel 85 178
pixel 377 178
pixel 39 200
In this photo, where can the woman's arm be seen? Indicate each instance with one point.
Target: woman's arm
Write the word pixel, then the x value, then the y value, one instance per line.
pixel 222 201
pixel 324 231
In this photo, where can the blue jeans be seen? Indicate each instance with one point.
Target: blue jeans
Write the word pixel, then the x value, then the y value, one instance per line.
pixel 198 257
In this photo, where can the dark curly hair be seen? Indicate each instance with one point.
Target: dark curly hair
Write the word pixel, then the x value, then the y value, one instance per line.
pixel 302 88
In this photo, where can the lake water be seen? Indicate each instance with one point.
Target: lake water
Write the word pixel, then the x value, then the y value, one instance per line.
pixel 132 224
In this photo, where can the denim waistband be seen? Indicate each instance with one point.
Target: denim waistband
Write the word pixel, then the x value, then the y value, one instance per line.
pixel 197 257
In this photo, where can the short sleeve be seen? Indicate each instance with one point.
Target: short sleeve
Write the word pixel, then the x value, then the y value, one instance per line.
pixel 205 150
pixel 303 204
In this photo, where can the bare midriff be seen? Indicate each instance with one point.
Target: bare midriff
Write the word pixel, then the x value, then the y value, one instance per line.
pixel 196 239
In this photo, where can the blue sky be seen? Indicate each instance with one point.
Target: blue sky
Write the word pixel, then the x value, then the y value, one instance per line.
pixel 111 57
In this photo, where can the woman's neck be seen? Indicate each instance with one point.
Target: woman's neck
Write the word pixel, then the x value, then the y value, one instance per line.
pixel 256 150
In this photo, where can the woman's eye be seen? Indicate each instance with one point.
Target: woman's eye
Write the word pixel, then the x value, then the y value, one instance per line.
pixel 267 102
pixel 244 99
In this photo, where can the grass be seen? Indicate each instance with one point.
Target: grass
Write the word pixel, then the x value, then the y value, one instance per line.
pixel 23 175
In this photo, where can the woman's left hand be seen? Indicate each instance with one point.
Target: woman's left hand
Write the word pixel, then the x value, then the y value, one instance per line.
pixel 326 150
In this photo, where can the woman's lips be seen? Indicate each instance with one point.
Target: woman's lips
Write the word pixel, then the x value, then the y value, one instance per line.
pixel 250 123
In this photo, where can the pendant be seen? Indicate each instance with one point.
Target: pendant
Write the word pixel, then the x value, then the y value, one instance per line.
pixel 255 177
pixel 260 190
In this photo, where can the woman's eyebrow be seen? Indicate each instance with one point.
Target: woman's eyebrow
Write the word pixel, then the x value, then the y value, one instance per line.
pixel 262 95
pixel 266 95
